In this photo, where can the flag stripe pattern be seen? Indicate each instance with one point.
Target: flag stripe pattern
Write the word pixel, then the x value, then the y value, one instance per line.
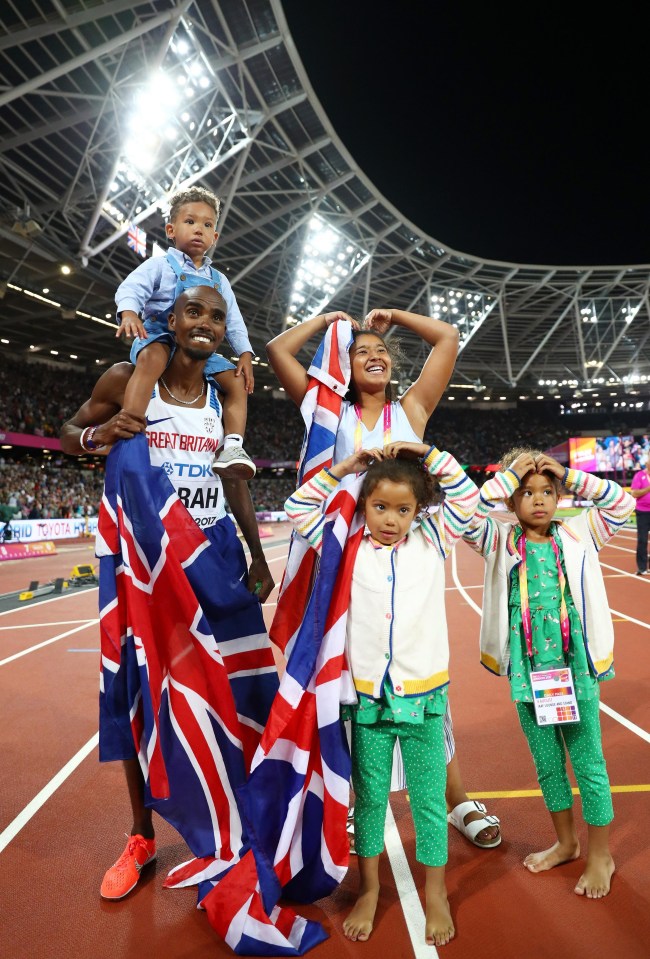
pixel 329 375
pixel 137 239
pixel 295 801
pixel 187 671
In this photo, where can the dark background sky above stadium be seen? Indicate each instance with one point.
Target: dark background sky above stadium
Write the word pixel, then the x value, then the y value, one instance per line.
pixel 511 132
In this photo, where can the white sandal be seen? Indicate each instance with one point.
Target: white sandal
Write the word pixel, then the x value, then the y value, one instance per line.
pixel 471 829
pixel 350 830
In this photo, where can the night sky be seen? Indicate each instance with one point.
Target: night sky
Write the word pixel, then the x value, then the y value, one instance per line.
pixel 510 132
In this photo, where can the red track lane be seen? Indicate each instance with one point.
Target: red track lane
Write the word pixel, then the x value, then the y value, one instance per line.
pixel 52 860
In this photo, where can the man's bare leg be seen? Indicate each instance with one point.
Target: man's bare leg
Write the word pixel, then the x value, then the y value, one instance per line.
pixel 142 817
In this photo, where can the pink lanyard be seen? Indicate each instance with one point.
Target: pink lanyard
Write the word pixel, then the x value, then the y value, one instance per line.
pixel 525 602
pixel 358 430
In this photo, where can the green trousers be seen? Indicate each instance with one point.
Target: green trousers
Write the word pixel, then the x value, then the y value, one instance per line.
pixel 423 754
pixel 549 746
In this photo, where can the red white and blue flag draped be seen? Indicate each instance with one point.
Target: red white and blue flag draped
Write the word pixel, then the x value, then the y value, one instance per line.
pixel 321 411
pixel 188 674
pixel 137 239
pixel 295 802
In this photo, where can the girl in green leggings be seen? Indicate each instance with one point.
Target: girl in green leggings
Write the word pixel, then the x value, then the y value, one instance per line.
pixel 545 609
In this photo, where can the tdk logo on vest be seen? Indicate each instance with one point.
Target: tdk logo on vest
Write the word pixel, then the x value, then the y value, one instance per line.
pixel 189 470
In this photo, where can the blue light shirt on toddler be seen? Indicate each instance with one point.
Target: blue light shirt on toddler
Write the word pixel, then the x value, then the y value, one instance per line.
pixel 152 289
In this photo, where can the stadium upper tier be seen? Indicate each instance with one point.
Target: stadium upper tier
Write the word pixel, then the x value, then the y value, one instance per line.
pixel 106 110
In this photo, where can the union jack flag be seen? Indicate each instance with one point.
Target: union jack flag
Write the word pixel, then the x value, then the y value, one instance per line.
pixel 137 239
pixel 188 674
pixel 321 410
pixel 295 802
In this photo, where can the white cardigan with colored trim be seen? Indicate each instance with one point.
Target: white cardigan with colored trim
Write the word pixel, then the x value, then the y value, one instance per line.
pixel 396 621
pixel 582 537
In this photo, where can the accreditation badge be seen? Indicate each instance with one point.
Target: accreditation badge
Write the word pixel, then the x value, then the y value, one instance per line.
pixel 554 696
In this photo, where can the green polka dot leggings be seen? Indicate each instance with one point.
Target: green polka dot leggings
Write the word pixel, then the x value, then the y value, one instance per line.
pixel 582 740
pixel 423 754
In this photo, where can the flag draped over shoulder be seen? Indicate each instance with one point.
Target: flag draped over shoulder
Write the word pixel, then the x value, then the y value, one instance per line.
pixel 321 410
pixel 188 673
pixel 295 802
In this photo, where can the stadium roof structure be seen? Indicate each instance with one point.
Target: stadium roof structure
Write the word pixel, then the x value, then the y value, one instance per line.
pixel 109 106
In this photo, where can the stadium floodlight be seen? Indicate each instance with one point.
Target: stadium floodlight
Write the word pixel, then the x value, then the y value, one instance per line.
pixel 463 309
pixel 329 258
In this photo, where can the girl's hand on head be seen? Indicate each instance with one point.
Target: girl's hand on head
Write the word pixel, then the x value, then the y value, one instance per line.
pixel 365 458
pixel 356 463
pixel 411 451
pixel 522 465
pixel 378 320
pixel 339 315
pixel 546 464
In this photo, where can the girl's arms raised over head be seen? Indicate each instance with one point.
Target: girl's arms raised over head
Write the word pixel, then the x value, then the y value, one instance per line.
pixel 282 351
pixel 446 526
pixel 355 463
pixel 421 399
pixel 612 505
pixel 305 508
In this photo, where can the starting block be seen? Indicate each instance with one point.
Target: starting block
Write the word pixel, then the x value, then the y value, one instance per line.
pixel 35 590
pixel 83 573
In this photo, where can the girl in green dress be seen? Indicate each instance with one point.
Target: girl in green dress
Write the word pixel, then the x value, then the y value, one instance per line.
pixel 545 608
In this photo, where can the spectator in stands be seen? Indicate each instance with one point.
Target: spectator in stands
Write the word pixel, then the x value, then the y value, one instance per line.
pixel 640 490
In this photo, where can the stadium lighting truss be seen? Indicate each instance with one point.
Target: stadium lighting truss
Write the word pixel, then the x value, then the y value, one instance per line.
pixel 107 109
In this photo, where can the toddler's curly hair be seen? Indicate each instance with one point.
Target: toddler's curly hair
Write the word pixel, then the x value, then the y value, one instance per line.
pixel 194 194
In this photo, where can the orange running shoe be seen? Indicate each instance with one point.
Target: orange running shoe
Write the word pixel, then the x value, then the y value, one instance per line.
pixel 124 875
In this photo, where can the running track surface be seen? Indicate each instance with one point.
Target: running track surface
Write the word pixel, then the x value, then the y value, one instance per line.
pixel 63 815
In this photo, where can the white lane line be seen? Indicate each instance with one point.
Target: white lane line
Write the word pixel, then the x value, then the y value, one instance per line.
pixel 406 890
pixel 47 642
pixel 459 585
pixel 63 622
pixel 641 733
pixel 630 619
pixel 55 599
pixel 41 798
pixel 625 572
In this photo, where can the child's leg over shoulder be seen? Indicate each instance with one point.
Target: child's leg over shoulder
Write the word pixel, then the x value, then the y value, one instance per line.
pixel 150 364
pixel 232 460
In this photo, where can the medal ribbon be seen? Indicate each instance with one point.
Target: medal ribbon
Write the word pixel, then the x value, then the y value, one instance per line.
pixel 525 602
pixel 358 430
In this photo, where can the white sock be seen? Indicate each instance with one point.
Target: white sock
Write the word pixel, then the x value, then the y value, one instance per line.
pixel 233 439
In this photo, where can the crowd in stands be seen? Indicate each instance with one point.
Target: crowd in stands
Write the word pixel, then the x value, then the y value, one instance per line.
pixel 38 491
pixel 38 400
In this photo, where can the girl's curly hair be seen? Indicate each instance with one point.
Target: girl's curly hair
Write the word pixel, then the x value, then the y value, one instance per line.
pixel 412 472
pixel 513 454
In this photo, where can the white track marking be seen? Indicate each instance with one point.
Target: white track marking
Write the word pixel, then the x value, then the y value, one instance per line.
pixel 406 890
pixel 47 642
pixel 41 798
